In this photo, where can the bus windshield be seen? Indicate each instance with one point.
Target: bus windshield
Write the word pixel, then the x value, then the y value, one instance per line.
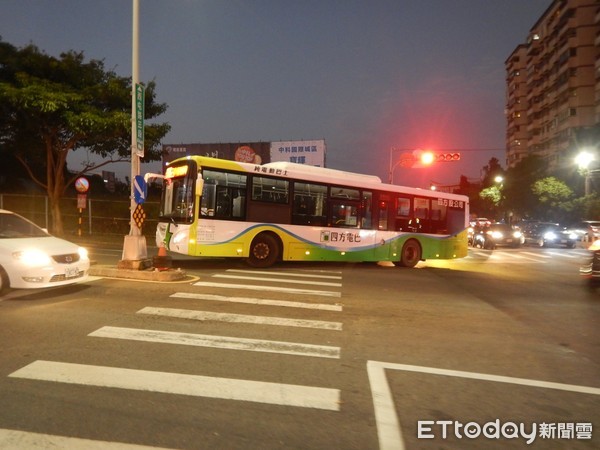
pixel 177 204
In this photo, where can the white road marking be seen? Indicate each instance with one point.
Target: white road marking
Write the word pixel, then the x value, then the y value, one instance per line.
pixel 389 432
pixel 288 274
pixel 257 301
pixel 536 255
pixel 181 384
pixel 278 280
pixel 240 318
pixel 515 256
pixel 19 440
pixel 565 255
pixel 230 343
pixel 269 289
pixel 386 418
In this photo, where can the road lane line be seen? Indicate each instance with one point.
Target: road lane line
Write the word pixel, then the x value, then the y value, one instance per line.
pixel 240 318
pixel 389 432
pixel 19 440
pixel 283 274
pixel 278 280
pixel 269 289
pixel 181 384
pixel 257 301
pixel 225 342
pixel 495 378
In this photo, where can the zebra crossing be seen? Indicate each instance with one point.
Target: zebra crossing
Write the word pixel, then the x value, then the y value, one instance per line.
pixel 526 256
pixel 316 291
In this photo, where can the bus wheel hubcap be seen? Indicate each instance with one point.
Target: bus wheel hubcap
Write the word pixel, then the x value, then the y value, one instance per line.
pixel 261 251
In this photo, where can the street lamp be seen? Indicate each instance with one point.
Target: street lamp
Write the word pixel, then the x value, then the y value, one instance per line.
pixel 584 159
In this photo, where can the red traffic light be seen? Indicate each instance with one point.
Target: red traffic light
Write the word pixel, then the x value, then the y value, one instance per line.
pixel 427 158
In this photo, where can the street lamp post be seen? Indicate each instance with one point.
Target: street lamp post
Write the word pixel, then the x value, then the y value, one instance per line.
pixel 134 247
pixel 583 160
pixel 394 165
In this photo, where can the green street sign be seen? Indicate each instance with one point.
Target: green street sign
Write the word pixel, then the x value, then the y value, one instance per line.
pixel 139 118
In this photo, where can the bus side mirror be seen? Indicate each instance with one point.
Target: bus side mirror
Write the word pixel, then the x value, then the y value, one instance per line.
pixel 199 185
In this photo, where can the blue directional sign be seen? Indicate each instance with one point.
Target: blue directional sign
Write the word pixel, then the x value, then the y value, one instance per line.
pixel 140 189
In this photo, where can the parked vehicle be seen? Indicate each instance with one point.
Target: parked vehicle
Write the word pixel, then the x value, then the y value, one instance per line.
pixel 590 268
pixel 32 258
pixel 546 234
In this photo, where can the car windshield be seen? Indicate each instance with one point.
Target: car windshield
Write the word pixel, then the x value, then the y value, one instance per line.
pixel 13 226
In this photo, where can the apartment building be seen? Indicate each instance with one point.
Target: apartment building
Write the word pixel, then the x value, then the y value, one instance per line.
pixel 553 84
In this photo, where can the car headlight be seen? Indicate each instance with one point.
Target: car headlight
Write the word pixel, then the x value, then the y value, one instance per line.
pixel 573 236
pixel 497 235
pixel 83 253
pixel 32 257
pixel 517 234
pixel 550 235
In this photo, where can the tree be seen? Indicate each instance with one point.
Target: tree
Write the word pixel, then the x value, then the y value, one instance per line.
pixel 51 106
pixel 518 196
pixel 491 171
pixel 553 196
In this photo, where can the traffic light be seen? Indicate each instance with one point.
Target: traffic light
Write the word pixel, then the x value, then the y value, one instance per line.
pixel 447 157
pixel 427 158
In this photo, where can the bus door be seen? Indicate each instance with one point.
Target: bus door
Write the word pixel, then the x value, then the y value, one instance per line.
pixel 382 212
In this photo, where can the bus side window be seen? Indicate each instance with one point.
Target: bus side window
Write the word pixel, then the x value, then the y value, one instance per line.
pixel 402 214
pixel 309 206
pixel 421 215
pixel 224 202
pixel 344 214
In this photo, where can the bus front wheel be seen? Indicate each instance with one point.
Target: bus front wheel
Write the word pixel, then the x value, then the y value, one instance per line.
pixel 411 254
pixel 264 251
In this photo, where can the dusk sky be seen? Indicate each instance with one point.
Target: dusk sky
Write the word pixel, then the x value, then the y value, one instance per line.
pixel 365 76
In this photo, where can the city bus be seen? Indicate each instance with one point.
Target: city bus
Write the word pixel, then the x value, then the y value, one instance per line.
pixel 280 211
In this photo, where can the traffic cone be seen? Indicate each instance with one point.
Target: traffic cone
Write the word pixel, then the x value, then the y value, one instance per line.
pixel 162 261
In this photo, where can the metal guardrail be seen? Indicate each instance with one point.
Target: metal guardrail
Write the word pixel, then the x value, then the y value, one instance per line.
pixel 101 216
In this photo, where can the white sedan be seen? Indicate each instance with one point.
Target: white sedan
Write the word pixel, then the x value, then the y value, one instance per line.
pixel 32 258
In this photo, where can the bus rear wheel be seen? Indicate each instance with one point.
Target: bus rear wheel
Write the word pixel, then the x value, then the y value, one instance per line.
pixel 264 251
pixel 410 255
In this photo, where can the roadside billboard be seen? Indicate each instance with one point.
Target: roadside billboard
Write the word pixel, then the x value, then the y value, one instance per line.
pixel 311 153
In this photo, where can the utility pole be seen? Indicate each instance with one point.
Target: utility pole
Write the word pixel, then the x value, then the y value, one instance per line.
pixel 134 248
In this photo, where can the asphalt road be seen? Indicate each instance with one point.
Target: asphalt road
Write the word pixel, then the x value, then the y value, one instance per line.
pixel 319 356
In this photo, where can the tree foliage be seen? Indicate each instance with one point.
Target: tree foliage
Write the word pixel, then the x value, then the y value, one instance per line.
pixel 52 106
pixel 553 196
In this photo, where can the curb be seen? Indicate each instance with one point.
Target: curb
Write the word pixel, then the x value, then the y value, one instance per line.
pixel 143 275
